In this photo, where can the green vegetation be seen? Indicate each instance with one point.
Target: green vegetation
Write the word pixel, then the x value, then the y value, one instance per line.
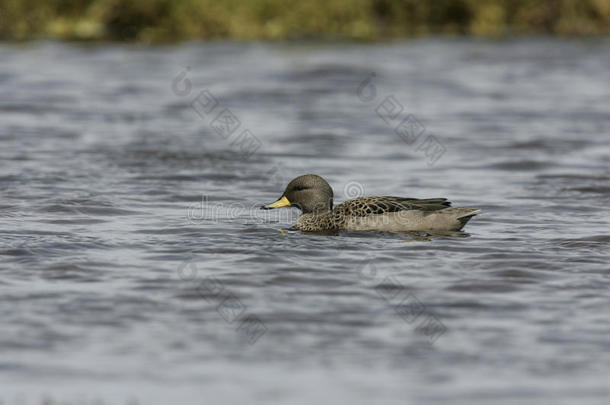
pixel 175 20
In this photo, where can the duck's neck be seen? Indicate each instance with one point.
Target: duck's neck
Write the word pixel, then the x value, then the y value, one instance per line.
pixel 318 209
pixel 317 214
pixel 318 221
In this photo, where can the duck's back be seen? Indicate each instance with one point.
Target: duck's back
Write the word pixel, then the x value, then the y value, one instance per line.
pixel 364 206
pixel 395 214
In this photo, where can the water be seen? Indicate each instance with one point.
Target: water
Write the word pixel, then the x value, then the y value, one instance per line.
pixel 136 267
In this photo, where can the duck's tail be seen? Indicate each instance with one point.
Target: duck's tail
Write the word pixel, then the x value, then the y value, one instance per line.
pixel 464 214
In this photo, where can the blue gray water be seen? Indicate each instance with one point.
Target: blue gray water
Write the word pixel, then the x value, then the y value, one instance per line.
pixel 137 268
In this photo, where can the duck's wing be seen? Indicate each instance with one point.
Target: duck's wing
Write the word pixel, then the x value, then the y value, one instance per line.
pixel 364 206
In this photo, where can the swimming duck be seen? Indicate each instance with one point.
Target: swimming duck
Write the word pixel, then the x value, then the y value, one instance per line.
pixel 314 197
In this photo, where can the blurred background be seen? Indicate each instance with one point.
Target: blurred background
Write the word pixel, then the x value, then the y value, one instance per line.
pixel 138 139
pixel 363 20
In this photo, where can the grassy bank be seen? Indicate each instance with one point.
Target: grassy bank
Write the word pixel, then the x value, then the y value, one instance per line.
pixel 175 20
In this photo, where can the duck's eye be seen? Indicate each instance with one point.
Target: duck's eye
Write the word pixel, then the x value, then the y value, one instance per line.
pixel 299 188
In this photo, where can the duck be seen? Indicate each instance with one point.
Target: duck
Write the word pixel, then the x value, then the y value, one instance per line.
pixel 314 197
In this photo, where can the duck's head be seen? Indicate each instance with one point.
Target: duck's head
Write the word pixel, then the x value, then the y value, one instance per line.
pixel 309 193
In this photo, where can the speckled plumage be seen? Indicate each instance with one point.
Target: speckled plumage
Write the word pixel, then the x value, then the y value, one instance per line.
pixel 313 196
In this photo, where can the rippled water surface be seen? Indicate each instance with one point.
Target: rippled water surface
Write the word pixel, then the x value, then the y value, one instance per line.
pixel 137 268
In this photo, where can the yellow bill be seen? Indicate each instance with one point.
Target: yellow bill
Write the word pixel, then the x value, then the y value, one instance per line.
pixel 282 202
